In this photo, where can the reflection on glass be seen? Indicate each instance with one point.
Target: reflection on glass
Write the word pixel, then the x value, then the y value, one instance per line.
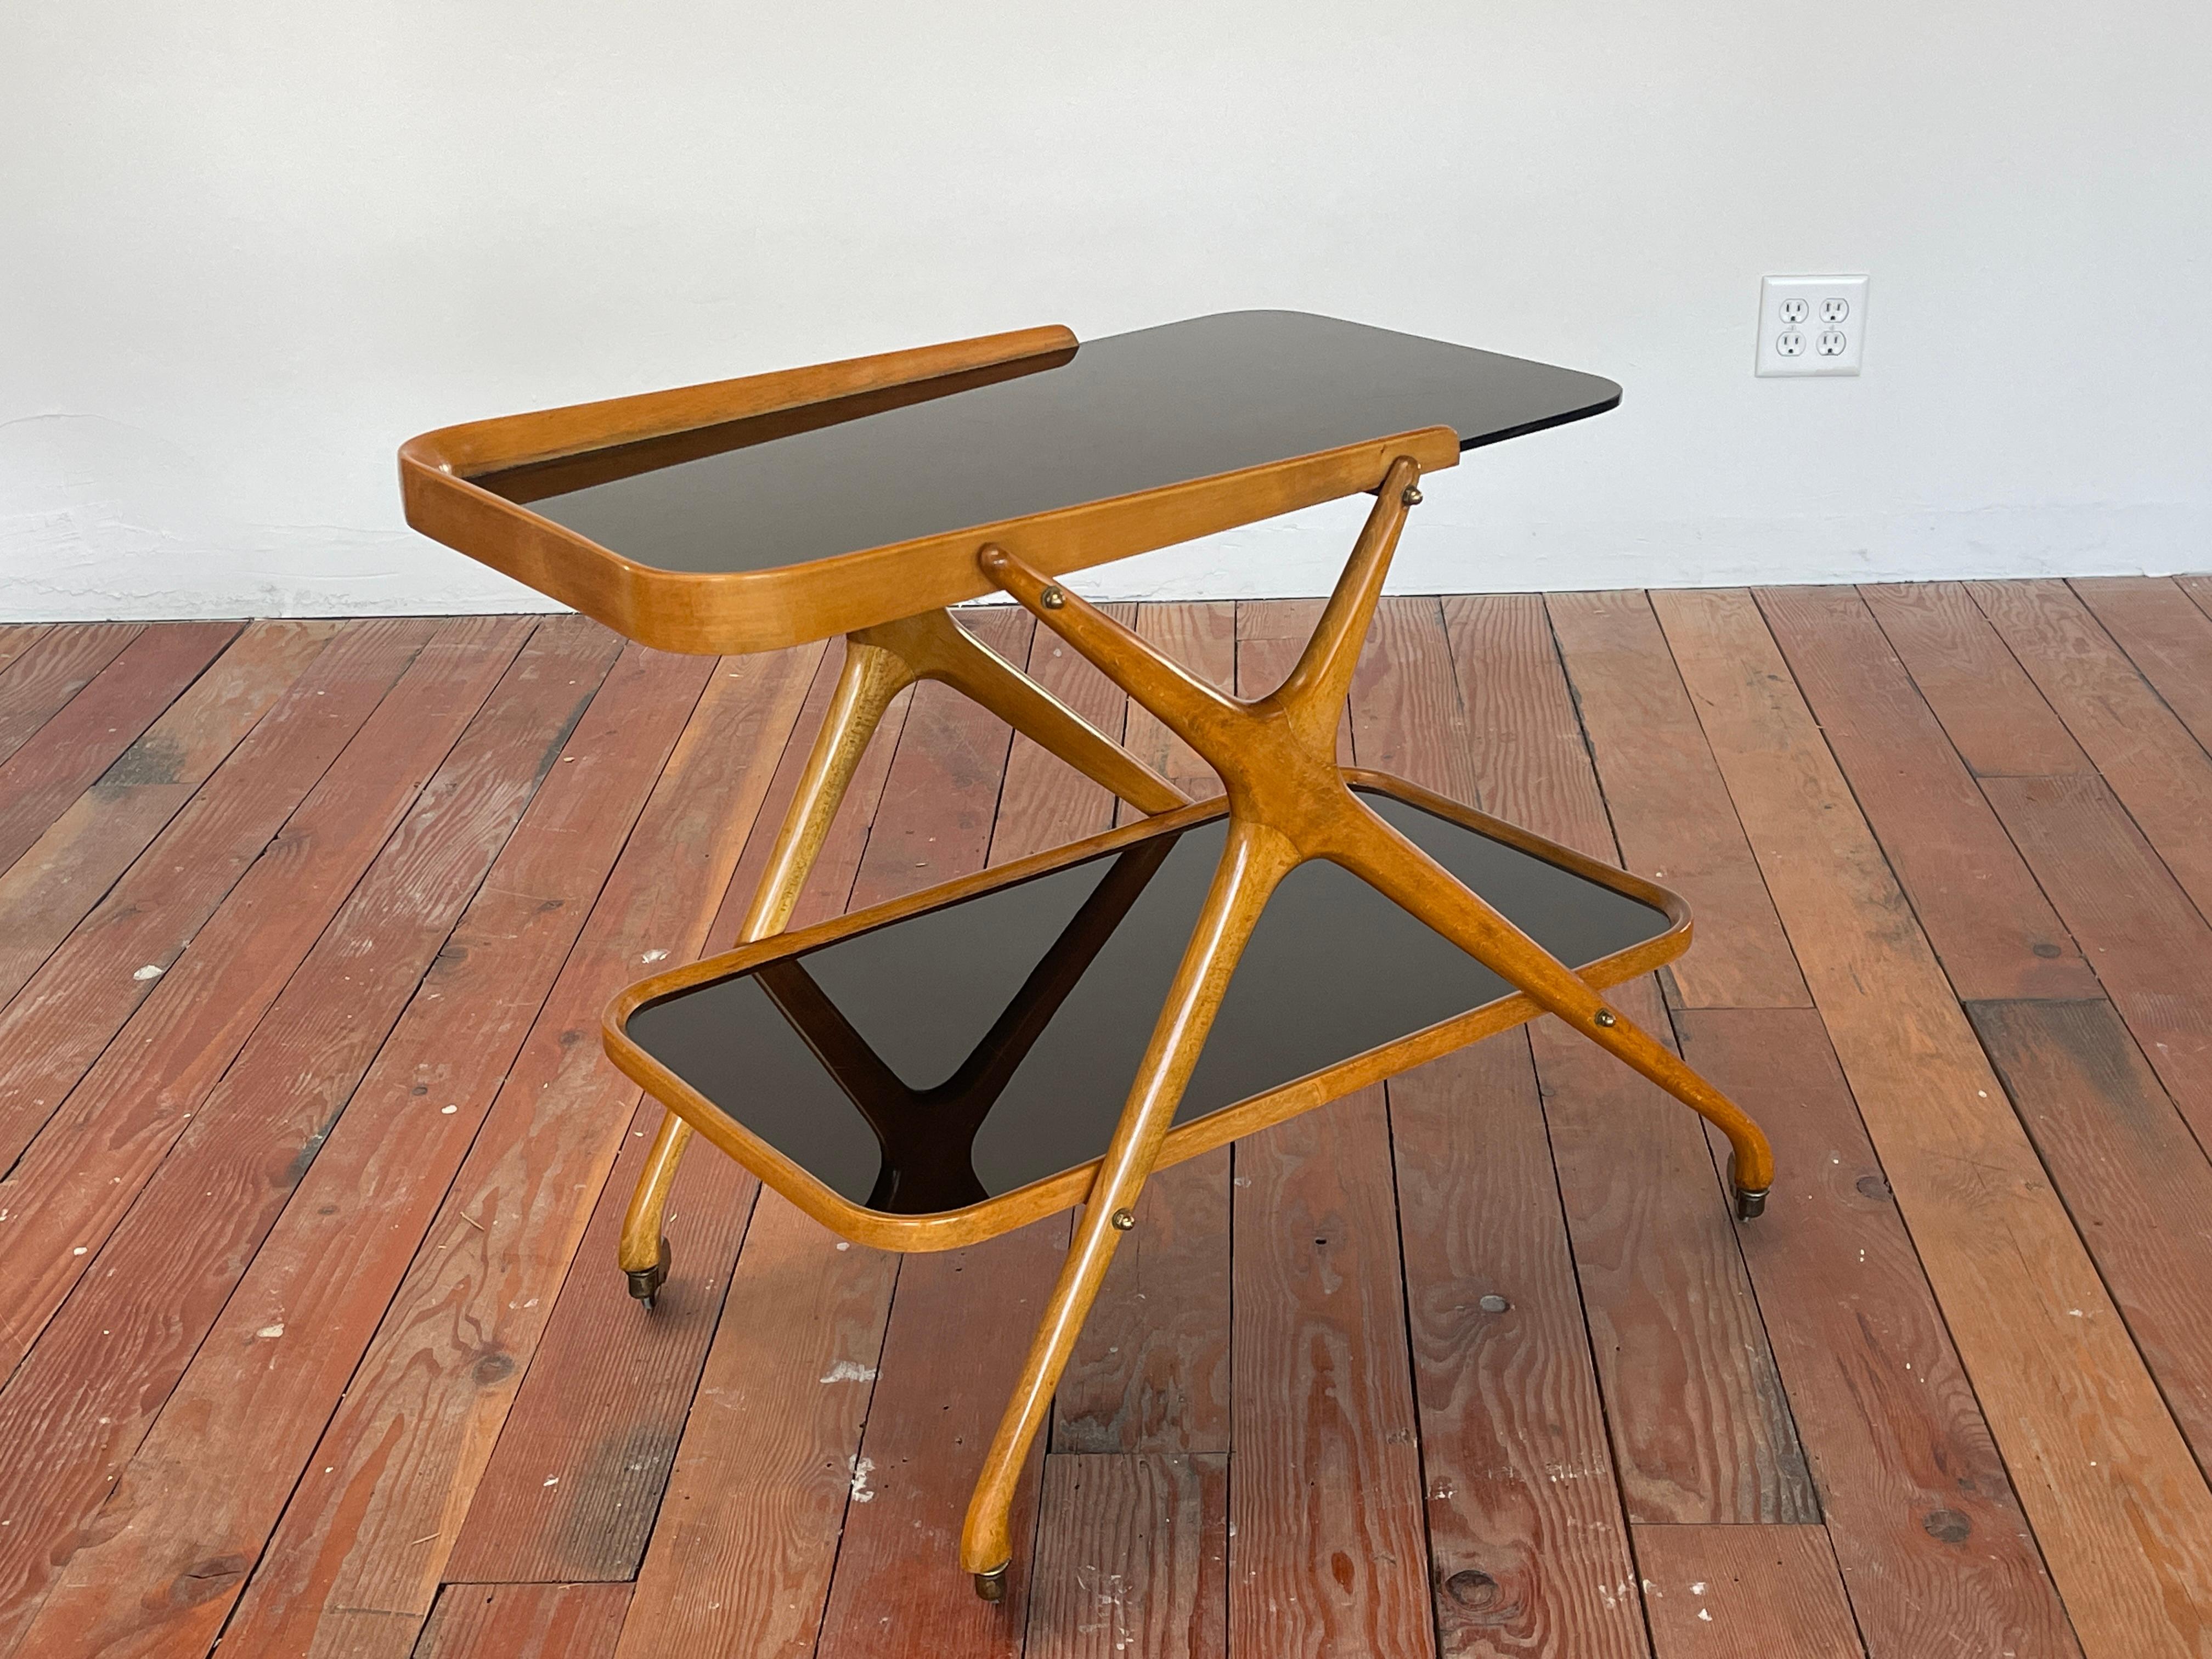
pixel 1130 412
pixel 973 1048
pixel 927 1135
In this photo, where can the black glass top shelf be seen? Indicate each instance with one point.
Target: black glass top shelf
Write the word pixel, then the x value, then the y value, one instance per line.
pixel 972 1048
pixel 1106 418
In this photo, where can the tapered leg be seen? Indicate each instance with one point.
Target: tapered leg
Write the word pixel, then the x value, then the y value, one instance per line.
pixel 879 663
pixel 1288 802
pixel 1254 859
pixel 1374 850
pixel 870 677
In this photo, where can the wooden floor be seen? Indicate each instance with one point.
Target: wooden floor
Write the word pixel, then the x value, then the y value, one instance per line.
pixel 313 1342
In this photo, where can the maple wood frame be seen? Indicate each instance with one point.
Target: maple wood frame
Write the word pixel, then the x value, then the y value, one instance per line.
pixel 1288 801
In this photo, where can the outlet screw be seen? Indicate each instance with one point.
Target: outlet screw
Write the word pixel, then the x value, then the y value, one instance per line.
pixel 1052 598
pixel 1125 1220
pixel 1604 1016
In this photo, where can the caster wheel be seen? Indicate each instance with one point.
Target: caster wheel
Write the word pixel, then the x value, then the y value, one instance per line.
pixel 1750 1201
pixel 645 1283
pixel 992 1585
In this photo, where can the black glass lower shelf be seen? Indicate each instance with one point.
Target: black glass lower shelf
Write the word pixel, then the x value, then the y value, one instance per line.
pixel 982 1044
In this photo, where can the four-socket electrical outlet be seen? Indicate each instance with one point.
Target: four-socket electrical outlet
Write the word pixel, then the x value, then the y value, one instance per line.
pixel 1811 325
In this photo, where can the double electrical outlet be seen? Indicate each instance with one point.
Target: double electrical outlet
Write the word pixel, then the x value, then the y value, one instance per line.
pixel 1811 325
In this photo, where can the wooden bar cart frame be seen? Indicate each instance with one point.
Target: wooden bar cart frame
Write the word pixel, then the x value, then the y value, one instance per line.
pixel 1287 800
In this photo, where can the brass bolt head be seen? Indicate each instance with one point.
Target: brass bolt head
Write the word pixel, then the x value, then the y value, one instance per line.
pixel 1604 1016
pixel 1413 495
pixel 1125 1220
pixel 1052 598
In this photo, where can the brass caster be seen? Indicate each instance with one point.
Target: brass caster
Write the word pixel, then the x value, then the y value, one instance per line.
pixel 645 1283
pixel 1750 1201
pixel 992 1585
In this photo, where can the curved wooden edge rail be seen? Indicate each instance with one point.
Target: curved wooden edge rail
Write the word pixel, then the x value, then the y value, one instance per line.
pixel 746 611
pixel 953 1229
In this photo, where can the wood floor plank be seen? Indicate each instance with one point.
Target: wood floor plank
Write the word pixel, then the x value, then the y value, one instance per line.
pixel 2199 590
pixel 1933 1547
pixel 2160 773
pixel 2152 949
pixel 424 1407
pixel 1671 812
pixel 1701 1425
pixel 102 1370
pixel 959 1326
pixel 1528 1552
pixel 42 668
pixel 960 1321
pixel 1527 1537
pixel 1992 928
pixel 216 1468
pixel 1700 1428
pixel 1327 1552
pixel 572 1489
pixel 511 1225
pixel 1133 1549
pixel 740 1558
pixel 68 754
pixel 357 953
pixel 1131 1557
pixel 1408 715
pixel 1745 1593
pixel 2122 1516
pixel 2137 1184
pixel 15 639
pixel 1151 1369
pixel 1201 637
pixel 525 1621
pixel 1994 714
pixel 81 853
pixel 2165 635
pixel 114 960
pixel 1044 802
pixel 574 1486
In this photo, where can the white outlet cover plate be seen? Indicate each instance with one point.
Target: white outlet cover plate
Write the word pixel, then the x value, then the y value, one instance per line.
pixel 1811 325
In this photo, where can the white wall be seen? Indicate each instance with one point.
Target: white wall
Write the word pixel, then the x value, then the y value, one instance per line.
pixel 246 247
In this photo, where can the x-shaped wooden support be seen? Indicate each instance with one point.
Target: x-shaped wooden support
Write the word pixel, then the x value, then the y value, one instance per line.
pixel 1288 803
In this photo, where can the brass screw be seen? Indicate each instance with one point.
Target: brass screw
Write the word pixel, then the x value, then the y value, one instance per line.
pixel 1125 1220
pixel 1052 598
pixel 1412 497
pixel 1604 1016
